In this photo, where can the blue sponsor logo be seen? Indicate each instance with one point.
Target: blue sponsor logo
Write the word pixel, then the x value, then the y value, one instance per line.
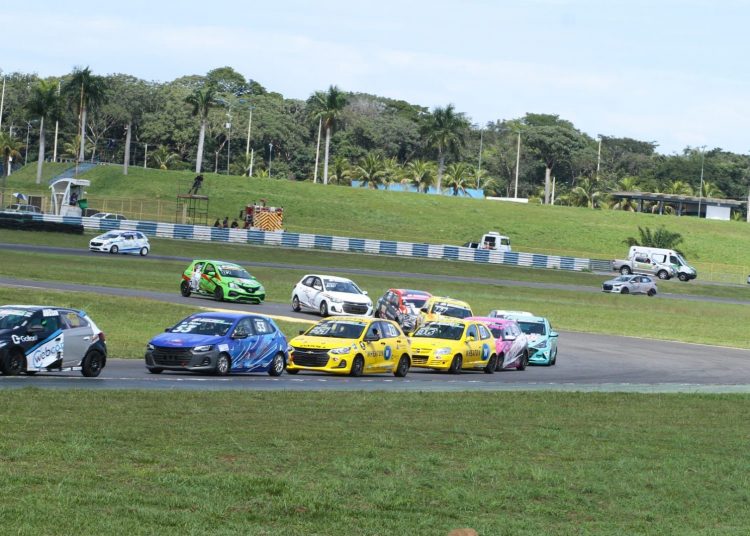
pixel 387 353
pixel 485 352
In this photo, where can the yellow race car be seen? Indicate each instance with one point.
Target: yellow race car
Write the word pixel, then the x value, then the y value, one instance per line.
pixel 438 307
pixel 353 345
pixel 454 345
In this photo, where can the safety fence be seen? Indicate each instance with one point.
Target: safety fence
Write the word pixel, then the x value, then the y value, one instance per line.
pixel 323 242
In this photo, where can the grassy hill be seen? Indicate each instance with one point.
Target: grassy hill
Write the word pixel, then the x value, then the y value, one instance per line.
pixel 720 250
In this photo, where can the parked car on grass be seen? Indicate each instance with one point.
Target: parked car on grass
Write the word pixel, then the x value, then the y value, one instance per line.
pixel 402 306
pixel 109 216
pixel 631 284
pixel 511 344
pixel 454 345
pixel 222 281
pixel 134 242
pixel 330 295
pixel 35 338
pixel 25 209
pixel 219 343
pixel 541 337
pixel 351 345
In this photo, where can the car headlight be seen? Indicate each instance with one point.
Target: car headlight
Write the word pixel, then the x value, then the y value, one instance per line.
pixel 342 350
pixel 289 349
pixel 234 285
pixel 149 347
pixel 335 299
pixel 204 348
pixel 540 344
pixel 442 351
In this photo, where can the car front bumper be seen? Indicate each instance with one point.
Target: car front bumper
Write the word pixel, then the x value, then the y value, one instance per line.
pixel 322 361
pixel 233 294
pixel 348 309
pixel 182 360
pixel 540 356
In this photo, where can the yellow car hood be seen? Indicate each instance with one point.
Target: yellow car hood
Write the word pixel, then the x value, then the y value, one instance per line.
pixel 320 343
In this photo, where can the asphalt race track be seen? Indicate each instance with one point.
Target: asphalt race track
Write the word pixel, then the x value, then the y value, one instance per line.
pixel 586 362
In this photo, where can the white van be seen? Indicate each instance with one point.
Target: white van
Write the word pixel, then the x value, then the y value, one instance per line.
pixel 684 271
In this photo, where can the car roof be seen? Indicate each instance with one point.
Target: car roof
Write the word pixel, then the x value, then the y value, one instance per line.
pixel 214 261
pixel 451 301
pixel 364 319
pixel 528 318
pixel 411 292
pixel 329 278
pixel 491 319
pixel 227 315
pixel 40 307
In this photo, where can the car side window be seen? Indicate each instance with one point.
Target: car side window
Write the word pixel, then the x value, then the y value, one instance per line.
pixel 72 320
pixel 317 284
pixel 390 330
pixel 393 299
pixel 262 326
pixel 244 327
pixel 472 332
pixel 208 268
pixel 308 281
pixel 484 332
pixel 375 328
pixel 48 319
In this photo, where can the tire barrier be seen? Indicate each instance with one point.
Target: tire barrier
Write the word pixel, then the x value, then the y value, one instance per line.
pixel 331 243
pixel 35 222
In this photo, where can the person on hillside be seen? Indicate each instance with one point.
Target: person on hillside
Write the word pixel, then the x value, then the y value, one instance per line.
pixel 235 224
pixel 217 223
pixel 225 223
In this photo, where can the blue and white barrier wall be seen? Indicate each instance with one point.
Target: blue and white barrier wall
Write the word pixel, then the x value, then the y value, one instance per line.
pixel 331 243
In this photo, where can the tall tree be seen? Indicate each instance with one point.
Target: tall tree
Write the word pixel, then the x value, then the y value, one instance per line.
pixel 445 130
pixel 202 99
pixel 10 147
pixel 458 177
pixel 43 103
pixel 420 174
pixel 85 90
pixel 328 106
pixel 370 171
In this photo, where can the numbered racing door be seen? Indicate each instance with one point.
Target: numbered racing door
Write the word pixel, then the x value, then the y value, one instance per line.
pixel 477 350
pixel 207 281
pixel 49 347
pixel 78 333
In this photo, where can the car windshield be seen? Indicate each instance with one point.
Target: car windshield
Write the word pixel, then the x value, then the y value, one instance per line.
pixel 341 286
pixel 110 236
pixel 417 303
pixel 203 326
pixel 497 331
pixel 234 271
pixel 455 311
pixel 623 279
pixel 435 330
pixel 10 318
pixel 532 328
pixel 338 329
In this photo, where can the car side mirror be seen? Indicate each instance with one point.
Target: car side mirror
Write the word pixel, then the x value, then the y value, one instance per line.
pixel 35 328
pixel 509 338
pixel 424 309
pixel 364 292
pixel 372 338
pixel 553 334
pixel 239 335
pixel 210 274
pixel 471 338
pixel 167 330
pixel 302 332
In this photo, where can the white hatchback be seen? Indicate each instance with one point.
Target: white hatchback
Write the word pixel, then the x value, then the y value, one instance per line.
pixel 121 242
pixel 330 295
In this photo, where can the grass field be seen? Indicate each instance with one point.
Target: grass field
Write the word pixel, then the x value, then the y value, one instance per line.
pixel 720 250
pixel 92 462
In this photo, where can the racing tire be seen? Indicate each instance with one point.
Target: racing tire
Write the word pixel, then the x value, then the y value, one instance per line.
pixel 218 294
pixel 144 251
pixel 114 250
pixel 403 367
pixel 663 275
pixel 295 305
pixel 523 362
pixel 185 289
pixel 358 367
pixel 277 365
pixel 651 292
pixel 223 364
pixel 625 290
pixel 155 370
pixel 625 270
pixel 491 365
pixel 293 371
pixel 553 361
pixel 683 277
pixel 456 364
pixel 13 363
pixel 323 309
pixel 31 372
pixel 499 363
pixel 92 364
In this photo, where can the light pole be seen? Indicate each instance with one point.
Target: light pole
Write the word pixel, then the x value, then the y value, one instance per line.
pixel 700 191
pixel 518 163
pixel 229 137
pixel 26 152
pixel 599 157
pixel 270 157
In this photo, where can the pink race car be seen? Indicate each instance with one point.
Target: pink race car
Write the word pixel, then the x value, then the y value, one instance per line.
pixel 511 344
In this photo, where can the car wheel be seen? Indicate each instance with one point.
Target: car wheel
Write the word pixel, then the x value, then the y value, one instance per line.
pixel 92 364
pixel 218 294
pixel 185 289
pixel 323 309
pixel 293 371
pixel 625 290
pixel 662 274
pixel 114 249
pixel 13 363
pixel 223 365
pixel 155 370
pixel 403 367
pixel 491 365
pixel 295 305
pixel 499 363
pixel 625 270
pixel 523 361
pixel 277 365
pixel 31 372
pixel 144 251
pixel 358 367
pixel 455 367
pixel 553 361
pixel 682 277
pixel 651 292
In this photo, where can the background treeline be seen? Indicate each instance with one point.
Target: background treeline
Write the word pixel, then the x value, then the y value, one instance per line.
pixel 368 138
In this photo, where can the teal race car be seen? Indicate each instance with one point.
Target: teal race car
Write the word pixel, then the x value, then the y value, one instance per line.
pixel 222 281
pixel 542 338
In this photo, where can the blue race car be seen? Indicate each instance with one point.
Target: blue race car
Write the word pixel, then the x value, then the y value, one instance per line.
pixel 542 339
pixel 219 343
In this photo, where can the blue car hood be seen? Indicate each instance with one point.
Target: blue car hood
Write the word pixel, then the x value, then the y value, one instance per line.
pixel 184 340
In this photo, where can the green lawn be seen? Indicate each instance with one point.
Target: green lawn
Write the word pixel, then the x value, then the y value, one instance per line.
pixel 720 250
pixel 282 463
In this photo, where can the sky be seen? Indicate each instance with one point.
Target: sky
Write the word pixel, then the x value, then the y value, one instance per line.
pixel 672 72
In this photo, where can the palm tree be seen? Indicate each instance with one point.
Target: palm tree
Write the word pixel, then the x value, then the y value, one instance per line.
pixel 341 171
pixel 202 99
pixel 392 171
pixel 370 171
pixel 71 148
pixel 85 90
pixel 458 177
pixel 679 187
pixel 661 238
pixel 43 103
pixel 420 174
pixel 162 158
pixel 711 190
pixel 10 147
pixel 586 194
pixel 445 131
pixel 328 105
pixel 479 178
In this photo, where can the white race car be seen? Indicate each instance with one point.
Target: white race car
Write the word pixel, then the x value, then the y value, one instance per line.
pixel 330 295
pixel 121 242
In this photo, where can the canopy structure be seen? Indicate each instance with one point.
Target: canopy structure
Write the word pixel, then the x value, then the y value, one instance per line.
pixel 68 197
pixel 683 205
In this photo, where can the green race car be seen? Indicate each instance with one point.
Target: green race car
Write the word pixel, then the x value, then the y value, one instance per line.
pixel 222 280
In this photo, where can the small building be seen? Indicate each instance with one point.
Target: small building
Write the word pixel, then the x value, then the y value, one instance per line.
pixel 683 205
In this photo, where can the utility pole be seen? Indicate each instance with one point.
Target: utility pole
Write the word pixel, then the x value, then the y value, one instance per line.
pixel 317 151
pixel 2 103
pixel 599 157
pixel 270 157
pixel 700 192
pixel 518 162
pixel 57 124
